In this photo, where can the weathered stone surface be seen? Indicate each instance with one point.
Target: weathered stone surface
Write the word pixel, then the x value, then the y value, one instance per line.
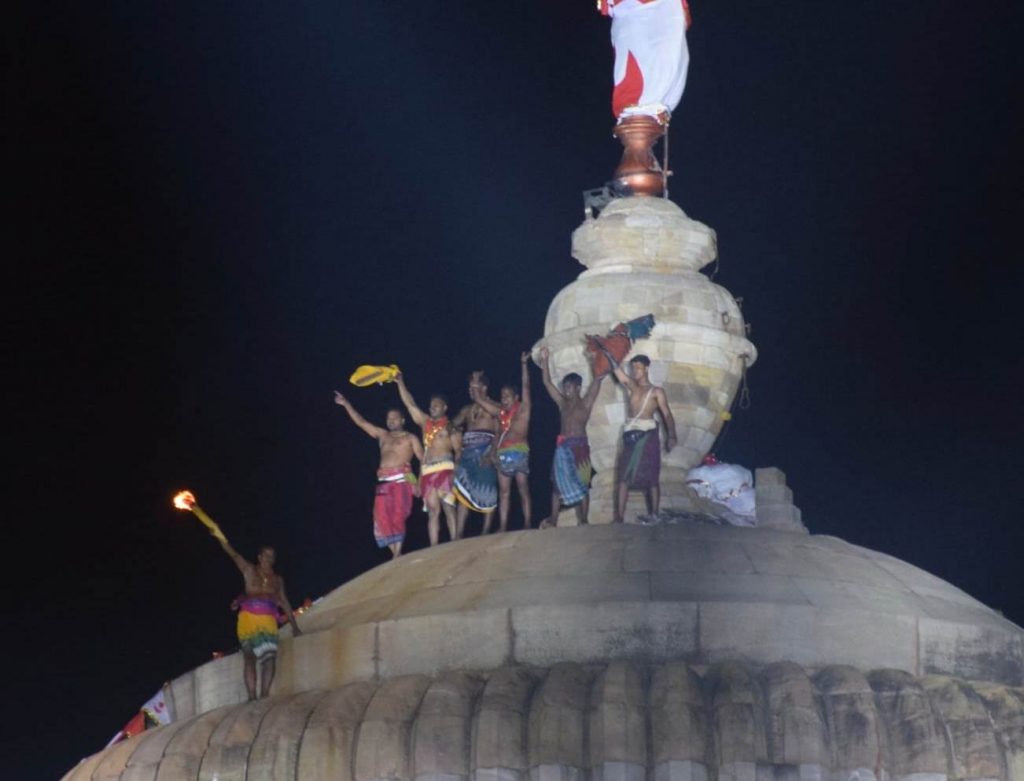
pixel 624 630
pixel 974 747
pixel 914 738
pixel 628 592
pixel 152 746
pixel 185 751
pixel 644 256
pixel 679 722
pixel 441 738
pixel 795 728
pixel 504 710
pixel 1005 708
pixel 382 745
pixel 428 644
pixel 617 728
pixel 328 742
pixel 853 724
pixel 558 719
pixel 617 721
pixel 682 652
pixel 737 708
pixel 274 752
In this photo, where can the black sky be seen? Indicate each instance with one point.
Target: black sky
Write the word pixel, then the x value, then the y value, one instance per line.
pixel 219 210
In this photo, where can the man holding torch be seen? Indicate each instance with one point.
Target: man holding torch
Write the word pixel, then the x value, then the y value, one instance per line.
pixel 258 609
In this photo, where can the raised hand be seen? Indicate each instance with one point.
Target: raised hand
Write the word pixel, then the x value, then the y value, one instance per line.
pixel 339 399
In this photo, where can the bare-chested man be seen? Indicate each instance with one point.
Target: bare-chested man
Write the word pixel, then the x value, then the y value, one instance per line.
pixel 476 480
pixel 441 446
pixel 257 614
pixel 571 469
pixel 640 458
pixel 396 483
pixel 512 448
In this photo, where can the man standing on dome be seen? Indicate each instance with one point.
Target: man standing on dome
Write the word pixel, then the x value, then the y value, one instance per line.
pixel 512 448
pixel 476 480
pixel 396 483
pixel 571 469
pixel 651 55
pixel 640 458
pixel 441 447
pixel 257 615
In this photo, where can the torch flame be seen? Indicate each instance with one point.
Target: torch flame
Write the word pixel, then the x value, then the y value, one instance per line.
pixel 184 500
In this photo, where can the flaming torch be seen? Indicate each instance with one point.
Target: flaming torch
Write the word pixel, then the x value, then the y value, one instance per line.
pixel 186 500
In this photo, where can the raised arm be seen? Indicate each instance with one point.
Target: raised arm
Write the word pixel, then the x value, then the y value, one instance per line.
pixel 282 600
pixel 490 405
pixel 410 403
pixel 243 565
pixel 592 390
pixel 524 383
pixel 622 377
pixel 667 419
pixel 545 373
pixel 374 431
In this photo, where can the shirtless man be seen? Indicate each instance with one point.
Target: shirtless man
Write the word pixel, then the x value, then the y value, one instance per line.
pixel 640 458
pixel 512 448
pixel 396 483
pixel 571 470
pixel 441 445
pixel 257 614
pixel 476 482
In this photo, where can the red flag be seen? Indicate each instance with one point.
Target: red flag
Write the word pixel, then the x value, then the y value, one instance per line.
pixel 136 725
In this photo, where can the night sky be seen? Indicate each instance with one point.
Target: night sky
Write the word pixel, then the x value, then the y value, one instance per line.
pixel 219 210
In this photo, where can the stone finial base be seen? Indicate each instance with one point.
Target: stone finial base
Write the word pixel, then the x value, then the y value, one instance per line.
pixel 775 508
pixel 638 171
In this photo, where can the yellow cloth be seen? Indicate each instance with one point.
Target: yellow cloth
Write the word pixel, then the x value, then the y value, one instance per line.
pixel 368 375
pixel 257 633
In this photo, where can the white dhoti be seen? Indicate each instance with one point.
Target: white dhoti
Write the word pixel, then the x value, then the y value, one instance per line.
pixel 651 55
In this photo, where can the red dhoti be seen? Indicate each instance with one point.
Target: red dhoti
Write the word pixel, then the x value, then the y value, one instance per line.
pixel 392 504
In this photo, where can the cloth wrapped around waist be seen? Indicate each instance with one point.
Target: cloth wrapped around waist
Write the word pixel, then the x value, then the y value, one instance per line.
pixel 392 504
pixel 476 479
pixel 641 424
pixel 514 457
pixel 257 627
pixel 640 461
pixel 571 469
pixel 437 476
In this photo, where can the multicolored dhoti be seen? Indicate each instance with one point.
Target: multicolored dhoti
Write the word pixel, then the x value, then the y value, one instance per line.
pixel 571 470
pixel 437 476
pixel 640 462
pixel 257 627
pixel 392 504
pixel 476 480
pixel 514 457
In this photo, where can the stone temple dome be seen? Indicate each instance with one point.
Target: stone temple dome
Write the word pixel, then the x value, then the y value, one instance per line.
pixel 676 652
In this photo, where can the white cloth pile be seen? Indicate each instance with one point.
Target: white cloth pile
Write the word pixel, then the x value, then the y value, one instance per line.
pixel 729 485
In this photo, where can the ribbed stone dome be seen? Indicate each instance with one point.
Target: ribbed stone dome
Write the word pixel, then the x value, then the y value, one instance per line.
pixel 607 722
pixel 614 650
